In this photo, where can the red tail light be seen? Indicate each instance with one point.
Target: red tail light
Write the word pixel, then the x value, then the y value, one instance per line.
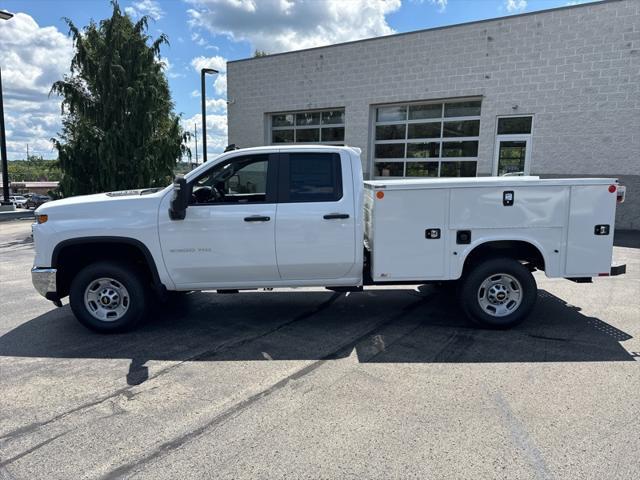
pixel 612 188
pixel 622 192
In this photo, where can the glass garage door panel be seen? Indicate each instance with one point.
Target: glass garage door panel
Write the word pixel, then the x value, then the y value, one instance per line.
pixel 511 157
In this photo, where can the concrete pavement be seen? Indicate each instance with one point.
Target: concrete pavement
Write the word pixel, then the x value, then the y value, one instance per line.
pixel 306 383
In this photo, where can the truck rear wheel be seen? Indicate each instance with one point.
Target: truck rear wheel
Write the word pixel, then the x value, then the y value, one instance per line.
pixel 498 293
pixel 108 297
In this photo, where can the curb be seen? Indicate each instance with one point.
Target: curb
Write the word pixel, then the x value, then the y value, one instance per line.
pixel 17 215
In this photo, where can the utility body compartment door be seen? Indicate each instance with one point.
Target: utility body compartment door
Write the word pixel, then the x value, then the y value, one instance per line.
pixel 316 218
pixel 589 254
pixel 409 231
pixel 531 207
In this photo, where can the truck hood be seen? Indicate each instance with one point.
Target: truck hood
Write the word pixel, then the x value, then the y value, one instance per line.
pixel 94 203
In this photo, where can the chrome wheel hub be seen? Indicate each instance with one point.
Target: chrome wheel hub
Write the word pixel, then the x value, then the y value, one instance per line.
pixel 500 294
pixel 106 299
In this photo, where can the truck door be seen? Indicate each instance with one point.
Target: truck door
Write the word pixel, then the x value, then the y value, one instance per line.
pixel 315 225
pixel 228 235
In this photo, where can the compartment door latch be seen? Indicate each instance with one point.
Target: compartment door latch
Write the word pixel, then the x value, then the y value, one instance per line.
pixel 508 198
pixel 432 233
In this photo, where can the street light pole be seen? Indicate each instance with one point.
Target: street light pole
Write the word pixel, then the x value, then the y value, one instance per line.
pixel 195 126
pixel 3 152
pixel 3 140
pixel 203 94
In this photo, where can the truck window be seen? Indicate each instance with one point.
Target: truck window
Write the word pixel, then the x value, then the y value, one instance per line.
pixel 312 177
pixel 240 180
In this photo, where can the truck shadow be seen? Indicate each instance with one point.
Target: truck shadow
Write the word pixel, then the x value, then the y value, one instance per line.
pixel 389 325
pixel 626 238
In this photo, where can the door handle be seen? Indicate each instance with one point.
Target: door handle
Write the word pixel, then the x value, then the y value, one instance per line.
pixel 257 218
pixel 335 216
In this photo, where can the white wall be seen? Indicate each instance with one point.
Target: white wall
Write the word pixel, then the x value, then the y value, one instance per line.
pixel 576 69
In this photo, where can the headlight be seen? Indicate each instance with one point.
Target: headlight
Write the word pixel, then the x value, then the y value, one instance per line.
pixel 41 218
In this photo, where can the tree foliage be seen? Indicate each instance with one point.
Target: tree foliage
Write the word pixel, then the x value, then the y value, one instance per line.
pixel 34 169
pixel 119 130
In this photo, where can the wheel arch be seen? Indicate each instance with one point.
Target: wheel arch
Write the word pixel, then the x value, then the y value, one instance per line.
pixel 527 250
pixel 71 255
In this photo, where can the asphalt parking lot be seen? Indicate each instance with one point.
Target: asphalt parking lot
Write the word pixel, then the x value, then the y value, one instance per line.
pixel 389 383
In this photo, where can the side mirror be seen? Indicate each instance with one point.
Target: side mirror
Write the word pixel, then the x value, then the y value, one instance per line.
pixel 180 200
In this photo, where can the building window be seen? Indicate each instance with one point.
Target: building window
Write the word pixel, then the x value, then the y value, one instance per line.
pixel 513 146
pixel 436 139
pixel 318 126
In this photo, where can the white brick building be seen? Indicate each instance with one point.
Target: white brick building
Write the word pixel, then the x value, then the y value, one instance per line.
pixel 551 93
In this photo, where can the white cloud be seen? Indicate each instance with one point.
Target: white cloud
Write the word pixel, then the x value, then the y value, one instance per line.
pixel 151 8
pixel 216 134
pixel 33 57
pixel 441 4
pixel 220 85
pixel 169 70
pixel 513 6
pixel 198 40
pixel 218 105
pixel 217 62
pixel 282 25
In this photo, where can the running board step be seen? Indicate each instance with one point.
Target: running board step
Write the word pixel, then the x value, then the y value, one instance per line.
pixel 345 289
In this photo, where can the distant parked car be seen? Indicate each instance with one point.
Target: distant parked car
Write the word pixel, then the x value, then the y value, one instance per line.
pixel 18 200
pixel 36 200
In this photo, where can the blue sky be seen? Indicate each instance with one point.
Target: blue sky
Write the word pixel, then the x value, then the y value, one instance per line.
pixel 36 50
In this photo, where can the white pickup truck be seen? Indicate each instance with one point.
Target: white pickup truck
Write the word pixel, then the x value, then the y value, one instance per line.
pixel 303 216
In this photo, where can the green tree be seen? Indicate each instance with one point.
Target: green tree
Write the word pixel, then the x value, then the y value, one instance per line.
pixel 119 130
pixel 34 169
pixel 260 53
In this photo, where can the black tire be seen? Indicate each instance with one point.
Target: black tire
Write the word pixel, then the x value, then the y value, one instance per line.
pixel 470 295
pixel 131 279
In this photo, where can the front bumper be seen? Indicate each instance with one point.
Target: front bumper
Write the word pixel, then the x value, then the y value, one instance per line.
pixel 44 281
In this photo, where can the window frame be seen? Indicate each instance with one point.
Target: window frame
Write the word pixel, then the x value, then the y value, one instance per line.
pixel 505 137
pixel 441 139
pixel 271 194
pixel 284 171
pixel 516 115
pixel 295 127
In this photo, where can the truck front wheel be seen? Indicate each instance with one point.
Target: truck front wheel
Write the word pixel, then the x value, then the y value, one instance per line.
pixel 108 297
pixel 498 293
